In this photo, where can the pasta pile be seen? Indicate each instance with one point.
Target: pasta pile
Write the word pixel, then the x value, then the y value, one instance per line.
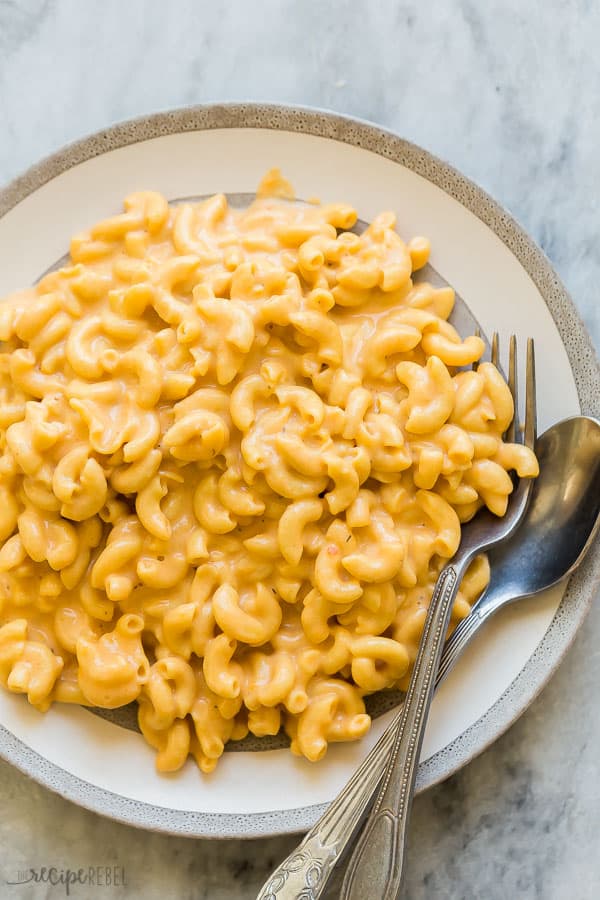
pixel 236 449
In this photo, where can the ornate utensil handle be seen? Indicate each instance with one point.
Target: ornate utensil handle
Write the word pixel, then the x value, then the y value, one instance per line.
pixel 375 868
pixel 305 872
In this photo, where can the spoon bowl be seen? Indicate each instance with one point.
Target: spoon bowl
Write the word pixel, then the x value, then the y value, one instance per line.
pixel 564 510
pixel 559 526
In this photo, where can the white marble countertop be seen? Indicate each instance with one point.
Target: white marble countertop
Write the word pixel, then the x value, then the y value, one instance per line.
pixel 505 90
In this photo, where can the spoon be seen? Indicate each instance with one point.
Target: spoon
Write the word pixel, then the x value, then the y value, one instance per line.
pixel 558 529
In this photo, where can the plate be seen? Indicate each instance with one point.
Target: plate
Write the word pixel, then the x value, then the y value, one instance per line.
pixel 509 286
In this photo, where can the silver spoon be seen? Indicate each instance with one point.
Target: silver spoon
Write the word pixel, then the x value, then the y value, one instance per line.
pixel 558 528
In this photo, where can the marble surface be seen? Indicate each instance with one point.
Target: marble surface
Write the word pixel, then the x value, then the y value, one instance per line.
pixel 508 92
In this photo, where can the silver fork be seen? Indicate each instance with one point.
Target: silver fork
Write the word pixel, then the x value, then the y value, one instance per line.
pixel 375 869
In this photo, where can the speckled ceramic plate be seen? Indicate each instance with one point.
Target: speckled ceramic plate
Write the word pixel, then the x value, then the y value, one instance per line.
pixel 508 284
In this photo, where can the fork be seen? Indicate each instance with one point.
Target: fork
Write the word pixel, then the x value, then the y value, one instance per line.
pixel 375 868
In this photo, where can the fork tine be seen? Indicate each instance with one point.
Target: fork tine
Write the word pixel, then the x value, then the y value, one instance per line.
pixel 495 341
pixel 530 397
pixel 475 365
pixel 513 432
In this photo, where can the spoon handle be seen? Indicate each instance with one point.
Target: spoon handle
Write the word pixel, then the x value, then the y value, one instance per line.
pixel 494 598
pixel 376 866
pixel 458 640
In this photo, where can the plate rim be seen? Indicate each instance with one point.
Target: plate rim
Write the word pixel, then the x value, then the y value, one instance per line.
pixel 582 587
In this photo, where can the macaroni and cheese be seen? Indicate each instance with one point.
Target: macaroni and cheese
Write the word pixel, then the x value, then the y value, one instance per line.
pixel 236 448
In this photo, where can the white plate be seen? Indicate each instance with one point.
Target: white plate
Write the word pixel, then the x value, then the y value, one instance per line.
pixel 508 284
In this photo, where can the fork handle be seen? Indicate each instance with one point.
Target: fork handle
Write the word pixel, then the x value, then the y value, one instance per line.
pixel 376 866
pixel 305 873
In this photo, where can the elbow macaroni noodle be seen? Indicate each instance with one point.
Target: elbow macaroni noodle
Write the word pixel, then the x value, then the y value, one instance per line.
pixel 236 449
